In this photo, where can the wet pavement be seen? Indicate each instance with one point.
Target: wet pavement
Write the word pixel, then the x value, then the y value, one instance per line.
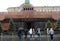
pixel 16 38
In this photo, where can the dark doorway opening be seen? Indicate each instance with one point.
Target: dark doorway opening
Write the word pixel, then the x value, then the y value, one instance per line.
pixel 28 25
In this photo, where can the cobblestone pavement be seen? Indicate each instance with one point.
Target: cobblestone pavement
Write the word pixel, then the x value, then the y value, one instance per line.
pixel 16 38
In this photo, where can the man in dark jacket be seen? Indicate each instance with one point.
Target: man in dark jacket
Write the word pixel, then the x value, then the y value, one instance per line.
pixel 20 30
pixel 19 34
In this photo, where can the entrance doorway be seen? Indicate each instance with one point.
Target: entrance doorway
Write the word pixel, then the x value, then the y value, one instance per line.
pixel 29 25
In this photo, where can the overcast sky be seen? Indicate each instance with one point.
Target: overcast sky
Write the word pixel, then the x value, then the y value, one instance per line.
pixel 4 4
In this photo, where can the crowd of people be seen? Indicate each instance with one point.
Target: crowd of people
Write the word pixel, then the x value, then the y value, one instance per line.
pixel 33 32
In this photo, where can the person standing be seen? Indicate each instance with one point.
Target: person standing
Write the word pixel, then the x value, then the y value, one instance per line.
pixel 30 32
pixel 38 33
pixel 26 32
pixel 51 32
pixel 33 33
pixel 19 34
pixel 20 30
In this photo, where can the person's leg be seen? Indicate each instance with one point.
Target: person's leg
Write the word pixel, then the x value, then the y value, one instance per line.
pixel 39 37
pixel 30 36
pixel 52 37
pixel 25 35
pixel 19 35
